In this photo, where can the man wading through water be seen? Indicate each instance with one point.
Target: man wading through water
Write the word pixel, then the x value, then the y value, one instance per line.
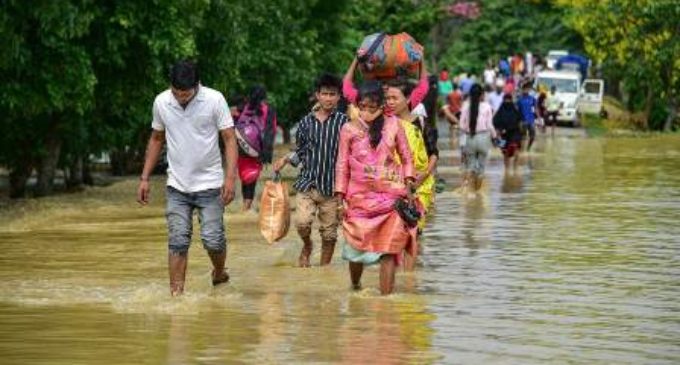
pixel 316 151
pixel 192 118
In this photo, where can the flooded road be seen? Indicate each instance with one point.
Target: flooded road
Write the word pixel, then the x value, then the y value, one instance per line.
pixel 575 259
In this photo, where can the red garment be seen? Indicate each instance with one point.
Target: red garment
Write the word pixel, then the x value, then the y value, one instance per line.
pixel 248 169
pixel 509 87
pixel 455 101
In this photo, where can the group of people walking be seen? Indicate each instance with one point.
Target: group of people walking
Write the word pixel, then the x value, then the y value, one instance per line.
pixel 366 160
pixel 501 110
pixel 368 166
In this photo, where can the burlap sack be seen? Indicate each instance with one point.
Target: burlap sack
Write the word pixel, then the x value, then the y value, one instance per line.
pixel 274 210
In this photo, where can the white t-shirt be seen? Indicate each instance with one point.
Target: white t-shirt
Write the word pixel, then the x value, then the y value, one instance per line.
pixel 419 111
pixel 489 76
pixel 484 118
pixel 192 135
pixel 495 99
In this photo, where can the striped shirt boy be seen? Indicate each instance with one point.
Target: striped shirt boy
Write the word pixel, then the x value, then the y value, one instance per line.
pixel 317 151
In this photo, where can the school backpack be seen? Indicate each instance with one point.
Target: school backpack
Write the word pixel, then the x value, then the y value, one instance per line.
pixel 254 135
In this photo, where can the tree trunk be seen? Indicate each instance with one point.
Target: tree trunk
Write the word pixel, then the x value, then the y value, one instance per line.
pixel 17 180
pixel 672 114
pixel 286 135
pixel 75 173
pixel 87 173
pixel 649 103
pixel 47 165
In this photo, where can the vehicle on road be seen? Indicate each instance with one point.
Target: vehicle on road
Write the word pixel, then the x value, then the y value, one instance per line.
pixel 553 56
pixel 567 89
pixel 592 97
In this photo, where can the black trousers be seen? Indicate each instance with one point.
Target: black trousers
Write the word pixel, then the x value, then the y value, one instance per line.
pixel 248 190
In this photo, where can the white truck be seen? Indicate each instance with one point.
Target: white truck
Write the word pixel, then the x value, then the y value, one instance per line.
pixel 553 56
pixel 575 98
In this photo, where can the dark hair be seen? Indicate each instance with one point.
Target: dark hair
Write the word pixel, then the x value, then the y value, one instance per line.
pixel 184 75
pixel 236 100
pixel 403 85
pixel 430 100
pixel 256 96
pixel 328 81
pixel 476 94
pixel 372 90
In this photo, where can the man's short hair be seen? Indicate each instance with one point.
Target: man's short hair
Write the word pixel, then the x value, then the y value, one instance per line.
pixel 184 75
pixel 328 81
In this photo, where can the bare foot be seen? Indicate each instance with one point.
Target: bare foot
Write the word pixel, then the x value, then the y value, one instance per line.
pixel 303 260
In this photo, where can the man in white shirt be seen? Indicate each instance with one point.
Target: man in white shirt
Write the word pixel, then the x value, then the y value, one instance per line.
pixel 495 98
pixel 192 118
pixel 489 75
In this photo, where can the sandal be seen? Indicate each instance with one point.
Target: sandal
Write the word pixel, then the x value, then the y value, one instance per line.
pixel 224 278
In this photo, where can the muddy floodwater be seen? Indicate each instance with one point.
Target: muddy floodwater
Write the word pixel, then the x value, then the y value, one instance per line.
pixel 575 259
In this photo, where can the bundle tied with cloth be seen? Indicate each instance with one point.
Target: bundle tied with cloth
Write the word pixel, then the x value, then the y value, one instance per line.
pixel 382 56
pixel 274 210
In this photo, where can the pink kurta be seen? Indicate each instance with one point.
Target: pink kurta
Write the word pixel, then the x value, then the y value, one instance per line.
pixel 371 180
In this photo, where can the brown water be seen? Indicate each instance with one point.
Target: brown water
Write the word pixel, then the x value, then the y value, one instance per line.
pixel 576 259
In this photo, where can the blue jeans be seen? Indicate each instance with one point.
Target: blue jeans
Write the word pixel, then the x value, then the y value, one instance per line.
pixel 179 213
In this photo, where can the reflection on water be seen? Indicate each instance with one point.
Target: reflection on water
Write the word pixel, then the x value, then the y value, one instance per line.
pixel 572 259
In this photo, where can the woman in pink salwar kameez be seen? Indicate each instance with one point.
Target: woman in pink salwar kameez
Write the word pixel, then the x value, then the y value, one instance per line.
pixel 370 180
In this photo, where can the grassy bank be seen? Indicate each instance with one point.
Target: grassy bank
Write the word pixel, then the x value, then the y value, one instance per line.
pixel 618 121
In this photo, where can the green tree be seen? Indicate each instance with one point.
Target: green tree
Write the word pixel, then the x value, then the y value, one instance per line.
pixel 48 82
pixel 640 37
pixel 505 27
pixel 81 76
pixel 244 43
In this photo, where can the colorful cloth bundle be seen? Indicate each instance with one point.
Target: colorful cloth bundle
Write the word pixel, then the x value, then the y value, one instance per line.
pixel 382 56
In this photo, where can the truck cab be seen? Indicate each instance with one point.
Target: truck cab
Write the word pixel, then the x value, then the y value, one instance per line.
pixel 568 90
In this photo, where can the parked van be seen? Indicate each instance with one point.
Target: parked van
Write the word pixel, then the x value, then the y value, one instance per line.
pixel 591 98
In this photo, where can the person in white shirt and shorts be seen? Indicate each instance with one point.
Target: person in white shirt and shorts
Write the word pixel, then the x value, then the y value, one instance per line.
pixel 191 118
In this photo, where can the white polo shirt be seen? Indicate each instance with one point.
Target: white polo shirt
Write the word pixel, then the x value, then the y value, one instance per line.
pixel 192 136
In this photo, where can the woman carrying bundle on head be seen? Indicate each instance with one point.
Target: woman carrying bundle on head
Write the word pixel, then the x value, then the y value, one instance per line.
pixel 415 97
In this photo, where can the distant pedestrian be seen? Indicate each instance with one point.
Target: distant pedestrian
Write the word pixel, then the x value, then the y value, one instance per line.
pixel 489 75
pixel 476 122
pixel 496 96
pixel 257 125
pixel 445 86
pixel 528 108
pixel 553 106
pixel 508 124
